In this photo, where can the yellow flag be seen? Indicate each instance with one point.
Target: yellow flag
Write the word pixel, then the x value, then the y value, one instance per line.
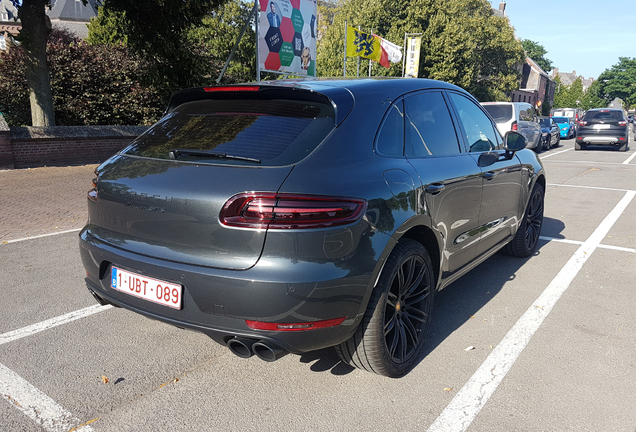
pixel 363 44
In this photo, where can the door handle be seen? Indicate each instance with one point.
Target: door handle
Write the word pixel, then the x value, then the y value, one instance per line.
pixel 434 189
pixel 490 175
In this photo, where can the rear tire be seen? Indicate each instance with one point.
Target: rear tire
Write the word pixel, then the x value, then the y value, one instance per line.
pixel 390 338
pixel 558 141
pixel 526 238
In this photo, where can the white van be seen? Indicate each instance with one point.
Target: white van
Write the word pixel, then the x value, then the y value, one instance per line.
pixel 519 117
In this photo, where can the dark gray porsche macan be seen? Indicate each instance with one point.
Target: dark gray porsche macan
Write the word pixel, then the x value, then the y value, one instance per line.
pixel 291 216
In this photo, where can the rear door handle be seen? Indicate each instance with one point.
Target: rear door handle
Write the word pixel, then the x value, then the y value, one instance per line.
pixel 434 189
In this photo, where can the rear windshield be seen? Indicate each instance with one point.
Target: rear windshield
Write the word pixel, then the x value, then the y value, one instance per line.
pixel 604 115
pixel 565 113
pixel 561 119
pixel 545 122
pixel 264 132
pixel 499 113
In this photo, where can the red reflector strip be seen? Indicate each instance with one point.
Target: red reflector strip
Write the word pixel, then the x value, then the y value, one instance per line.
pixel 231 88
pixel 313 325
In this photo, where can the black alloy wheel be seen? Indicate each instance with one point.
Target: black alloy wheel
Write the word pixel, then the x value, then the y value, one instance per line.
pixel 526 239
pixel 390 339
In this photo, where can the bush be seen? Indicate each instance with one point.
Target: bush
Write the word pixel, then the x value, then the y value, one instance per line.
pixel 91 85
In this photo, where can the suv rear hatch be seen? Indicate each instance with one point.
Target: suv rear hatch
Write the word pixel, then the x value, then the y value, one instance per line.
pixel 162 196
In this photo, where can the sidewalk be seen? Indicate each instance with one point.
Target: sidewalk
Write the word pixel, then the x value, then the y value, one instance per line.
pixel 39 201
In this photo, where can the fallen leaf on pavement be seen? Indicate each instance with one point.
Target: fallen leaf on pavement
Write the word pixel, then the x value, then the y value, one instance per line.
pixel 469 348
pixel 104 379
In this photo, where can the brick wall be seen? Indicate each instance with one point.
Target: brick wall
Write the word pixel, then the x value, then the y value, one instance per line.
pixel 62 146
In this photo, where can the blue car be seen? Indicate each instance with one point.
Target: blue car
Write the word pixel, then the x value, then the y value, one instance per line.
pixel 566 127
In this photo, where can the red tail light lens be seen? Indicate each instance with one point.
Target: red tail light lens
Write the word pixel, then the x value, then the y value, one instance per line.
pixel 582 123
pixel 622 123
pixel 312 325
pixel 515 127
pixel 92 194
pixel 289 211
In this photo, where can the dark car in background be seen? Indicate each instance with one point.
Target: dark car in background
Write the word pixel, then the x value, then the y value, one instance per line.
pixel 567 127
pixel 550 135
pixel 296 215
pixel 603 126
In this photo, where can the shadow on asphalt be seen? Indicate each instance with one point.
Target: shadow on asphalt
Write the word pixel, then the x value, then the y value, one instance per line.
pixel 455 304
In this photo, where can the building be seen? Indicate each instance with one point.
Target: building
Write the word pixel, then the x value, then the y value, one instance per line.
pixel 72 15
pixel 568 78
pixel 536 86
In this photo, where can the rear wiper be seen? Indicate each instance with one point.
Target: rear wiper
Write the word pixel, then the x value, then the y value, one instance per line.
pixel 175 153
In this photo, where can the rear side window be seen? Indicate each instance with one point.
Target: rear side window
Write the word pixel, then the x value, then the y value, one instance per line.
pixel 499 113
pixel 429 127
pixel 390 140
pixel 526 114
pixel 267 132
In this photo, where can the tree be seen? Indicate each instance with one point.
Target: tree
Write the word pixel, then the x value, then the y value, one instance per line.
pixel 592 98
pixel 463 42
pixel 537 52
pixel 35 29
pixel 619 82
pixel 82 93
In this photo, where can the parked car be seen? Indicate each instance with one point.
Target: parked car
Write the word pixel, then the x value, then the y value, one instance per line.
pixel 603 126
pixel 295 215
pixel 550 135
pixel 574 114
pixel 566 127
pixel 519 117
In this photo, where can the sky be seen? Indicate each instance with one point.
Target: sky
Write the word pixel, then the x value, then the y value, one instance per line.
pixel 586 36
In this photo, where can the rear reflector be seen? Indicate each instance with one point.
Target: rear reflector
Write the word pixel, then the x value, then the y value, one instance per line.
pixel 231 88
pixel 289 211
pixel 313 325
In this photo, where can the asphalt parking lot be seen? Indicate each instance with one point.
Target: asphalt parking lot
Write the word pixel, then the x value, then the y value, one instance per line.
pixel 543 344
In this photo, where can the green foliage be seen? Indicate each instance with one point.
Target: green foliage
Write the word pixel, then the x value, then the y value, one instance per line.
pixel 619 82
pixel 107 28
pixel 83 94
pixel 463 42
pixel 574 96
pixel 592 98
pixel 537 53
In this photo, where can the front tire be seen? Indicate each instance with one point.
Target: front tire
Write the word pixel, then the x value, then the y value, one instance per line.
pixel 526 238
pixel 390 338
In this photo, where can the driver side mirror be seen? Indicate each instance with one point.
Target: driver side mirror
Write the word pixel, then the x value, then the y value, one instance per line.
pixel 514 141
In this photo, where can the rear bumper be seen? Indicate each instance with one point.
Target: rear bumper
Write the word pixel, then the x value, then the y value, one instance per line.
pixel 601 139
pixel 217 302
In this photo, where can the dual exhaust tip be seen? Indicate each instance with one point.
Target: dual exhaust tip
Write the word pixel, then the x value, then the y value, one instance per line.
pixel 245 348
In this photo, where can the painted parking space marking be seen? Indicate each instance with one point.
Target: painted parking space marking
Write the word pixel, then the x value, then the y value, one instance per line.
pixel 629 159
pixel 50 323
pixel 43 235
pixel 579 243
pixel 469 401
pixel 35 404
pixel 552 154
pixel 590 187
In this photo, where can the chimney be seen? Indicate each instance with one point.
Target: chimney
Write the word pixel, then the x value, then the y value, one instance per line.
pixel 502 7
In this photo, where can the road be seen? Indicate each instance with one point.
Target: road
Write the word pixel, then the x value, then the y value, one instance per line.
pixel 544 344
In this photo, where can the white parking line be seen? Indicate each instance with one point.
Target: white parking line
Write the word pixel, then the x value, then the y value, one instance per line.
pixel 590 187
pixel 35 404
pixel 50 323
pixel 43 235
pixel 629 159
pixel 575 242
pixel 469 401
pixel 552 154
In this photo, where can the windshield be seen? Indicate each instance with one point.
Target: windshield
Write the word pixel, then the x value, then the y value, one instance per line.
pixel 271 132
pixel 499 113
pixel 561 120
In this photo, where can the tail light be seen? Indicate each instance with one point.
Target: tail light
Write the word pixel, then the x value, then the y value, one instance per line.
pixel 92 194
pixel 582 123
pixel 515 127
pixel 289 211
pixel 622 123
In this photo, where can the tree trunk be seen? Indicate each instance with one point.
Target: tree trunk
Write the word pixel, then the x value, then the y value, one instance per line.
pixel 35 30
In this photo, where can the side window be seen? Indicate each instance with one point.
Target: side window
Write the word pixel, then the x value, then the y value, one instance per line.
pixel 429 127
pixel 480 133
pixel 390 141
pixel 524 114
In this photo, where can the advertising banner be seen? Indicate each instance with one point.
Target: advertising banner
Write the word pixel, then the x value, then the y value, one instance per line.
pixel 287 36
pixel 413 45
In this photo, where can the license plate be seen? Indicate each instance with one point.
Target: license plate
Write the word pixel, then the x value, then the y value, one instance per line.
pixel 154 290
pixel 602 126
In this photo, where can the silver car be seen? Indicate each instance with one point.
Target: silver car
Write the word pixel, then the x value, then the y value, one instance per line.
pixel 519 117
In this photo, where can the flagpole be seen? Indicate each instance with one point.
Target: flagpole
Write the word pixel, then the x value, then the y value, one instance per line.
pixel 358 70
pixel 370 59
pixel 344 62
pixel 404 55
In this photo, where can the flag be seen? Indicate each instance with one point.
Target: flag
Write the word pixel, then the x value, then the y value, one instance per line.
pixel 391 53
pixel 363 44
